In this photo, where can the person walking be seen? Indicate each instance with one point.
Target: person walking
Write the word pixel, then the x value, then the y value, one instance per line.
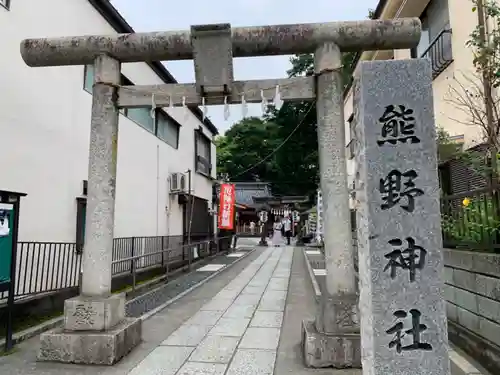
pixel 252 227
pixel 277 236
pixel 288 230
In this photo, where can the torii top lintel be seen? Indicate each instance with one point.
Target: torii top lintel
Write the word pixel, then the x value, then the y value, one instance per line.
pixel 246 42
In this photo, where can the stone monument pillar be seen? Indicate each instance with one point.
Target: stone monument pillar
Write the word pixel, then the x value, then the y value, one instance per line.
pixel 403 318
pixel 333 339
pixel 95 329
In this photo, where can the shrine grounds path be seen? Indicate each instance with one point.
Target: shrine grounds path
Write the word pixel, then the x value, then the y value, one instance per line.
pixel 245 320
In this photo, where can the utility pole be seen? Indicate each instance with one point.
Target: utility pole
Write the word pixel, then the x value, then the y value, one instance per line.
pixel 213 47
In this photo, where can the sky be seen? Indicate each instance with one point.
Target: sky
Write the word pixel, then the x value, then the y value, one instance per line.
pixel 163 15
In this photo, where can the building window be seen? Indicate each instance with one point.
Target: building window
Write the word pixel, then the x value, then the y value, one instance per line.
pixel 435 42
pixel 5 4
pixel 167 129
pixel 81 212
pixel 142 117
pixel 88 82
pixel 350 145
pixel 203 148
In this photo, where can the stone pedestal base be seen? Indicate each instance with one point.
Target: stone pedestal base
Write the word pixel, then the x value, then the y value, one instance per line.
pixel 91 347
pixel 340 350
pixel 95 332
pixel 93 313
pixel 338 314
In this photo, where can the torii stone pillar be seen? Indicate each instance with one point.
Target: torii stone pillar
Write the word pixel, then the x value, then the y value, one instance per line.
pixel 95 329
pixel 333 340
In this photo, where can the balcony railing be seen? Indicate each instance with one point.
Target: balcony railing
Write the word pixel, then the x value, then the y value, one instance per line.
pixel 439 52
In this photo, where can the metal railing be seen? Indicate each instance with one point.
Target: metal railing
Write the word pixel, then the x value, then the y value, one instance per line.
pixel 439 52
pixel 471 220
pixel 44 267
pixel 183 255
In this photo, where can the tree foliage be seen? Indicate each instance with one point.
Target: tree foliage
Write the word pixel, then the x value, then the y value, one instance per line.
pixel 447 149
pixel 244 145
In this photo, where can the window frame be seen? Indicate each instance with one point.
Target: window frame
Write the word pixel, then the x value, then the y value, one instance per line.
pixel 198 134
pixel 81 213
pixel 442 38
pixel 161 112
pixel 124 81
pixel 5 5
pixel 137 122
pixel 350 145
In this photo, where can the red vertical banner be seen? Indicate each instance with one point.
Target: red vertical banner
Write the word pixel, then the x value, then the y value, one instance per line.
pixel 226 206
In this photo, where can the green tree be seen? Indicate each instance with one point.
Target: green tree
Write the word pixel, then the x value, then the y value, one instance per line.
pixel 296 162
pixel 244 145
pixel 447 149
pixel 304 65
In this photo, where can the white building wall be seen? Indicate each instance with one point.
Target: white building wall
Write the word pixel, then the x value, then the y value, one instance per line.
pixel 45 127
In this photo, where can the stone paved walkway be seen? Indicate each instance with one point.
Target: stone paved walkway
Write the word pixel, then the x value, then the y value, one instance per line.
pixel 237 332
pixel 246 320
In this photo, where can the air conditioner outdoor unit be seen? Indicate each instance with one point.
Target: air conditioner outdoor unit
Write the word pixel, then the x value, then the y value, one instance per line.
pixel 177 183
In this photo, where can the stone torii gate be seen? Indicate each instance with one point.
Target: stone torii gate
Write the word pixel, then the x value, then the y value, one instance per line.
pixel 95 329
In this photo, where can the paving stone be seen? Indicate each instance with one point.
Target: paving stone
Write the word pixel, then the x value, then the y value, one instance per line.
pixel 218 349
pixel 234 287
pixel 269 319
pixel 205 318
pixel 247 299
pixel 258 282
pixel 200 368
pixel 230 327
pixel 240 311
pixel 267 270
pixel 273 300
pixel 274 294
pixel 278 284
pixel 282 274
pixel 210 268
pixel 187 335
pixel 217 304
pixel 227 294
pixel 252 362
pixel 254 290
pixel 260 338
pixel 237 285
pixel 164 360
pixel 271 305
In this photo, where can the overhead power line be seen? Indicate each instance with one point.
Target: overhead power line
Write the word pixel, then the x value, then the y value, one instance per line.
pixel 311 105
